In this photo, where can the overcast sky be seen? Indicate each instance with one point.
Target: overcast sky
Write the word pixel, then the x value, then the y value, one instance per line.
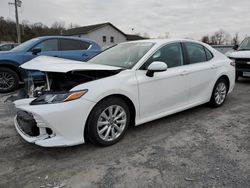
pixel 180 18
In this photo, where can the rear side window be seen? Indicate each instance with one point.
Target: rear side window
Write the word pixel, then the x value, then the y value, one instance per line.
pixel 196 53
pixel 67 44
pixel 209 54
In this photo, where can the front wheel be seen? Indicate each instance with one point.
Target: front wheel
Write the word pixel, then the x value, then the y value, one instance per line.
pixel 9 80
pixel 108 121
pixel 219 93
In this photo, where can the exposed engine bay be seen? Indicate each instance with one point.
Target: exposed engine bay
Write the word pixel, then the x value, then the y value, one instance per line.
pixel 63 82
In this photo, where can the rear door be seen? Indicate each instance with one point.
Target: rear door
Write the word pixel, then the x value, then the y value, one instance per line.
pixel 75 49
pixel 201 72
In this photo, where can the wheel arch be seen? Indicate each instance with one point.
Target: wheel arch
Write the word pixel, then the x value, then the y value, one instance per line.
pixel 125 98
pixel 12 65
pixel 226 78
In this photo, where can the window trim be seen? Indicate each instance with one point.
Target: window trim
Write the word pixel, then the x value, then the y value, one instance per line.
pixel 162 46
pixel 60 44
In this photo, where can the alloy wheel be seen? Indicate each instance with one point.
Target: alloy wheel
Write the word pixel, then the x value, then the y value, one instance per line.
pixel 220 93
pixel 7 80
pixel 111 123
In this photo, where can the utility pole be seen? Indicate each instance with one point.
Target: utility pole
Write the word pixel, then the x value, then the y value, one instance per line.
pixel 17 4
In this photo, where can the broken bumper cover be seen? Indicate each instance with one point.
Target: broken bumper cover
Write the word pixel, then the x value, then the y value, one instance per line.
pixel 52 125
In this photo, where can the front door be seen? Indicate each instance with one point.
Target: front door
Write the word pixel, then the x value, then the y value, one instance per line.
pixel 166 91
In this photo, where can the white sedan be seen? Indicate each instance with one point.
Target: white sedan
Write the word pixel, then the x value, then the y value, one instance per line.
pixel 129 84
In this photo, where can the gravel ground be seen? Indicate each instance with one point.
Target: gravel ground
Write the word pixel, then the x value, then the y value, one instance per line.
pixel 201 147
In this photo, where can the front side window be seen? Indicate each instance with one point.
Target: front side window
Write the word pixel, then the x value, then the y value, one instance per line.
pixel 48 45
pixel 196 53
pixel 124 55
pixel 170 54
pixel 68 44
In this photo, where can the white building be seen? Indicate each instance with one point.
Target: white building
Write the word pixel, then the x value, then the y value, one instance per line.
pixel 105 34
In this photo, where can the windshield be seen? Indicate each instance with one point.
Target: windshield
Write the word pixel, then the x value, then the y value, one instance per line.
pixel 245 45
pixel 124 55
pixel 25 45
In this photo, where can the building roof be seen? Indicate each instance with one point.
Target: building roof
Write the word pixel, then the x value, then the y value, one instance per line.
pixel 88 29
pixel 134 37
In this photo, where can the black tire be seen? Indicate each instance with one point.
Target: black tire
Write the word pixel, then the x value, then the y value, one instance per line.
pixel 213 101
pixel 92 129
pixel 13 84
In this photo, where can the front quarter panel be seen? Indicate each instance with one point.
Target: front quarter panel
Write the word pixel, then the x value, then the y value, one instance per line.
pixel 123 83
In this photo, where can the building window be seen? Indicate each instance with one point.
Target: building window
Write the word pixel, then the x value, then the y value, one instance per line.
pixel 112 39
pixel 104 39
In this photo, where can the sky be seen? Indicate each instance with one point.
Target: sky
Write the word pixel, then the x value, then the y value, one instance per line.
pixel 179 18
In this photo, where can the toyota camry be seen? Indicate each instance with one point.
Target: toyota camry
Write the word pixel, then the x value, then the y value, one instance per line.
pixel 129 84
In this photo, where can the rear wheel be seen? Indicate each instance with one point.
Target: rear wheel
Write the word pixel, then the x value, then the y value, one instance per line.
pixel 9 80
pixel 219 93
pixel 108 121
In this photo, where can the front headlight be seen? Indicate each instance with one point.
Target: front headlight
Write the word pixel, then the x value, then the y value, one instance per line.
pixel 51 98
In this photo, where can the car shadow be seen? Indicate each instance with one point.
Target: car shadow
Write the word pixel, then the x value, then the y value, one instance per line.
pixel 243 80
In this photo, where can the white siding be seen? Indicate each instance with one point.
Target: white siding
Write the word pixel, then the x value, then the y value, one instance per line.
pixel 108 31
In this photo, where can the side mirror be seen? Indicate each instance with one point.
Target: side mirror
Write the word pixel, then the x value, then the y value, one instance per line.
pixel 156 66
pixel 236 46
pixel 35 51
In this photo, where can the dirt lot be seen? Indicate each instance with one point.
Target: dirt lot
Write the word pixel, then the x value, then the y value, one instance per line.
pixel 201 147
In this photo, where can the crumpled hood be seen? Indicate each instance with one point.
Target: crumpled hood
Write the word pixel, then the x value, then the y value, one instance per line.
pixel 240 54
pixel 54 64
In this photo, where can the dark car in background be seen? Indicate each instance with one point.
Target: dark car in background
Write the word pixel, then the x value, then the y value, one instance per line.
pixel 11 75
pixel 242 58
pixel 8 46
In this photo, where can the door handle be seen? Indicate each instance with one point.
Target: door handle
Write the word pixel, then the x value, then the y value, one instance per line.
pixel 184 73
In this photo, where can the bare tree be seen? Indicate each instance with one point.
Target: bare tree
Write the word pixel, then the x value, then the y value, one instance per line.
pixel 205 39
pixel 8 31
pixel 235 40
pixel 220 37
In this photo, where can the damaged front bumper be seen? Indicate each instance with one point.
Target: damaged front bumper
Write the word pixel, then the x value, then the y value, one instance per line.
pixel 52 125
